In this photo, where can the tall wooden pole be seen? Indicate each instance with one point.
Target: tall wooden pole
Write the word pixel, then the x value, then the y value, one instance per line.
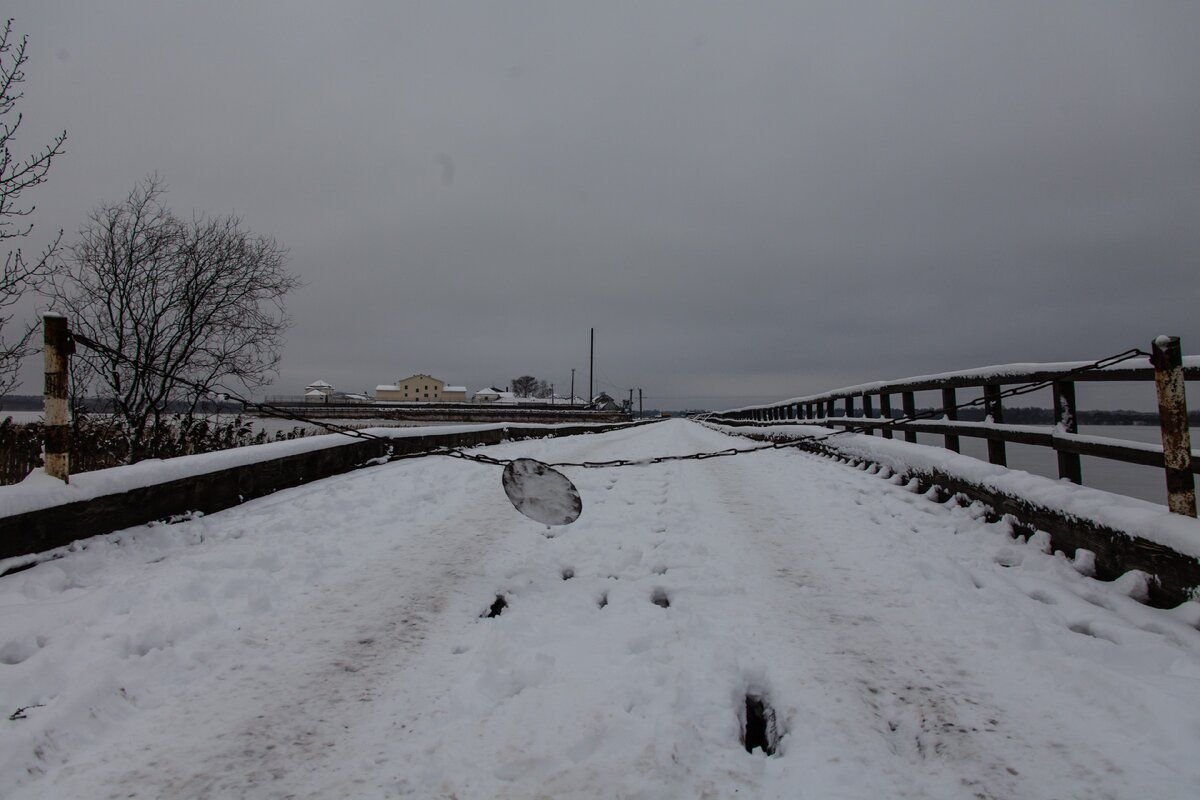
pixel 1167 358
pixel 57 427
pixel 592 366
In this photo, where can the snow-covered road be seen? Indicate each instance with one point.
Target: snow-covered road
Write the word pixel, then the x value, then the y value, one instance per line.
pixel 331 641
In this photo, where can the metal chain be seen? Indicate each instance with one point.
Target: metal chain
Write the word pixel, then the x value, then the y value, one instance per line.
pixel 479 458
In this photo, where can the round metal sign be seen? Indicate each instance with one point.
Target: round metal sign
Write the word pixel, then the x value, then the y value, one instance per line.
pixel 541 492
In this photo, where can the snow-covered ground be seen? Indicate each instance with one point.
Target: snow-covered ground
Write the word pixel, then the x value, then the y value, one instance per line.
pixel 328 641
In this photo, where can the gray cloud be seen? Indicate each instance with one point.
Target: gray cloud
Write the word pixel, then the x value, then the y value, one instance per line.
pixel 747 201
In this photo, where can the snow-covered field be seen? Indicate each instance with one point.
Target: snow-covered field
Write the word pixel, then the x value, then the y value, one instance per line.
pixel 329 641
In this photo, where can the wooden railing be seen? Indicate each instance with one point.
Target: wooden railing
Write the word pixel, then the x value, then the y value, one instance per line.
pixel 868 408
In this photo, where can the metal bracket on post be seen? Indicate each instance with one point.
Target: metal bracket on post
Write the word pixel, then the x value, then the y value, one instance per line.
pixel 1167 359
pixel 57 424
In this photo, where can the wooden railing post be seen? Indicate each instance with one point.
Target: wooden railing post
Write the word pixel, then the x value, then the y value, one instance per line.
pixel 828 408
pixel 909 406
pixel 849 411
pixel 885 411
pixel 1167 358
pixel 57 424
pixel 868 412
pixel 1067 421
pixel 948 408
pixel 997 453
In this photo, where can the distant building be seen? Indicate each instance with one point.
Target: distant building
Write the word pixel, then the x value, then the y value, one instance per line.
pixel 603 402
pixel 420 388
pixel 318 392
pixel 490 394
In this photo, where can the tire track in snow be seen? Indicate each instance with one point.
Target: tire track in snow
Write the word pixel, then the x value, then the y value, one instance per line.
pixel 280 727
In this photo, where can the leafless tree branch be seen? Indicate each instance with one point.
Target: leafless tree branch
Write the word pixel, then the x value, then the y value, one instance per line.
pixel 189 305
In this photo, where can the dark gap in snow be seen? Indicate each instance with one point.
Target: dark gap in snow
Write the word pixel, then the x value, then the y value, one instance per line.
pixel 659 598
pixel 497 607
pixel 603 600
pixel 760 731
pixel 568 573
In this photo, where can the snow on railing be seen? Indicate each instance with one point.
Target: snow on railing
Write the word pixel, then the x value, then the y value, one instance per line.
pixel 868 407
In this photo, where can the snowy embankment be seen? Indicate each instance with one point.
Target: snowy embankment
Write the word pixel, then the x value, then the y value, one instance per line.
pixel 1121 513
pixel 331 640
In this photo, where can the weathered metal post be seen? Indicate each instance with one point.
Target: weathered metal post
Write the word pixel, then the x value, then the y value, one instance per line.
pixel 1167 358
pixel 1067 421
pixel 57 426
pixel 997 453
pixel 909 404
pixel 950 410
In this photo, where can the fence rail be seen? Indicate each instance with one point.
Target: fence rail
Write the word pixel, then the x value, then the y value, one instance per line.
pixel 872 407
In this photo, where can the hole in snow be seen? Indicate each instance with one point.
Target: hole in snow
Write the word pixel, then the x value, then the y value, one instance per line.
pixel 659 598
pixel 603 601
pixel 568 573
pixel 760 731
pixel 1087 629
pixel 497 608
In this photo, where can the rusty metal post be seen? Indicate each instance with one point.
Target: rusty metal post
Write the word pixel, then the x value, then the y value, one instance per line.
pixel 1067 421
pixel 997 453
pixel 949 403
pixel 57 425
pixel 1173 417
pixel 909 404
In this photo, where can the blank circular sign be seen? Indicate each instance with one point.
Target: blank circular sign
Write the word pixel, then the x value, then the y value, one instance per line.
pixel 541 492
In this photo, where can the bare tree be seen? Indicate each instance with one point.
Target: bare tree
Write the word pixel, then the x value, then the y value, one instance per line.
pixel 191 307
pixel 17 176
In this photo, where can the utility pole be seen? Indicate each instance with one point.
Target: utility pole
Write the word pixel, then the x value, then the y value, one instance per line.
pixel 572 387
pixel 639 402
pixel 631 401
pixel 592 367
pixel 552 394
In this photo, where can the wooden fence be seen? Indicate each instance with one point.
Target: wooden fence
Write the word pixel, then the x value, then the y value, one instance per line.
pixel 871 408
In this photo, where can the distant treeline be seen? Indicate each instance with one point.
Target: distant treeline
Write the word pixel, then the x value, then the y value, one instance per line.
pixel 1030 415
pixel 99 405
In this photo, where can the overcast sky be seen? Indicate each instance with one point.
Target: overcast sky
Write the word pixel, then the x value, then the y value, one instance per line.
pixel 748 201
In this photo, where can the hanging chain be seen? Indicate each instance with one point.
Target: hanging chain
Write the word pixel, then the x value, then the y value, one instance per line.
pixel 479 458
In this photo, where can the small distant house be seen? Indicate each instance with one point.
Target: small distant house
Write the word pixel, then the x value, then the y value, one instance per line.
pixel 490 394
pixel 318 392
pixel 603 402
pixel 420 388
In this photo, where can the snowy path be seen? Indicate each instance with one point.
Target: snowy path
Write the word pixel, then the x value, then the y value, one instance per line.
pixel 328 642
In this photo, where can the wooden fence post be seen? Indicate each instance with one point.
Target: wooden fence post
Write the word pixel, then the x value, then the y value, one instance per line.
pixel 885 411
pixel 1173 418
pixel 849 412
pixel 868 412
pixel 948 408
pixel 997 453
pixel 57 423
pixel 1066 420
